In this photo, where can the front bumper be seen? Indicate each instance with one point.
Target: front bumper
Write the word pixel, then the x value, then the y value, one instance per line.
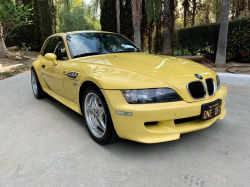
pixel 133 128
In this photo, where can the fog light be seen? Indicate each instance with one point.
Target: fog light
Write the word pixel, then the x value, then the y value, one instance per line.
pixel 124 113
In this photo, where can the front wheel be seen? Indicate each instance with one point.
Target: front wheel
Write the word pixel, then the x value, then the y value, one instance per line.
pixel 97 117
pixel 36 86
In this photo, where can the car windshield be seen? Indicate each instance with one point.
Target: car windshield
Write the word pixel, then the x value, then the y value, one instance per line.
pixel 86 44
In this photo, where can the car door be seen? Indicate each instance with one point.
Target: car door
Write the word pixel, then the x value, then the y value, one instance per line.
pixel 51 73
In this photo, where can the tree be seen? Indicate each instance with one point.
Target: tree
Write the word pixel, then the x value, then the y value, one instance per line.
pixel 222 42
pixel 136 12
pixel 13 17
pixel 237 8
pixel 3 51
pixel 97 4
pixel 216 9
pixel 74 20
pixel 185 5
pixel 194 2
pixel 167 50
pixel 246 12
pixel 154 17
pixel 118 16
pixel 108 12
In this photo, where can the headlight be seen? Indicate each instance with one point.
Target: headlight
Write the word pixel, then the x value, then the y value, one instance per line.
pixel 218 82
pixel 159 95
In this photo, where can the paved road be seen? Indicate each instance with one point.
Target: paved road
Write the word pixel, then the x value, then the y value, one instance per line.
pixel 43 143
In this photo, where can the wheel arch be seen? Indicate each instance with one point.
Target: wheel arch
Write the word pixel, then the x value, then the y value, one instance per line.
pixel 83 86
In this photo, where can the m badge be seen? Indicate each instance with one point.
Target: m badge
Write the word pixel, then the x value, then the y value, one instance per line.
pixel 72 75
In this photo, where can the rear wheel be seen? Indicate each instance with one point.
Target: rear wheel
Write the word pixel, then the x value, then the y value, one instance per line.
pixel 97 116
pixel 36 86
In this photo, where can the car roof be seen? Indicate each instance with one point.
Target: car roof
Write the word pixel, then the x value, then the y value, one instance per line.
pixel 77 32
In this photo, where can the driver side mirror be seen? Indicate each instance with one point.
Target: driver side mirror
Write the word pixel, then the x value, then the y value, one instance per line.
pixel 51 57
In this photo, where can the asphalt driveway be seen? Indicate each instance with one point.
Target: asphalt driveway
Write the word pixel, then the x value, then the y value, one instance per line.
pixel 43 143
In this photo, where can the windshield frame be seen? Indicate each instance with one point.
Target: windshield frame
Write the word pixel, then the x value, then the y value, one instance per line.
pixel 71 53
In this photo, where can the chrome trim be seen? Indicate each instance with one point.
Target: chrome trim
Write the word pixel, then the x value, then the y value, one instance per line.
pixel 213 85
pixel 205 92
pixel 218 87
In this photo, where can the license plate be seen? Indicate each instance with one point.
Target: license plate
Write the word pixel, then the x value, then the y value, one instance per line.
pixel 210 110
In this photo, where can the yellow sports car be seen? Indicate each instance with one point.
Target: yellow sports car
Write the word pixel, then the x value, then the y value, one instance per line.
pixel 124 93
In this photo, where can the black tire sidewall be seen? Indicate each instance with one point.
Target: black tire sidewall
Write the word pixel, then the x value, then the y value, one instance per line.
pixel 40 93
pixel 36 95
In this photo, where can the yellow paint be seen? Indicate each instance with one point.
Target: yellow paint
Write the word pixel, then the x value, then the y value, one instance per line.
pixel 113 72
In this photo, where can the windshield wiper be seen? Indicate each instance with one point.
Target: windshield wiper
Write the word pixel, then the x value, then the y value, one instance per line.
pixel 86 54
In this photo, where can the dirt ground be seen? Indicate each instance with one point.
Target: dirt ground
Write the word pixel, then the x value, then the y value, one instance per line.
pixel 231 67
pixel 9 61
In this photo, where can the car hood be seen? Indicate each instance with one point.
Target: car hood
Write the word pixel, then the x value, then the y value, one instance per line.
pixel 140 70
pixel 165 68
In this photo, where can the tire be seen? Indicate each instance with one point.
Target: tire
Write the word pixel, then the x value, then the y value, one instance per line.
pixel 36 86
pixel 97 117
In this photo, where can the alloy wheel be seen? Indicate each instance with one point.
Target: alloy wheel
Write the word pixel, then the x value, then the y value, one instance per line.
pixel 95 115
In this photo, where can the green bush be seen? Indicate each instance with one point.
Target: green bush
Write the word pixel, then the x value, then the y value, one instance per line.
pixel 203 39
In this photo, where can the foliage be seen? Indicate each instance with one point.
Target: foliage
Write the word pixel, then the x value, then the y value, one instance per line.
pixel 203 39
pixel 25 66
pixel 13 17
pixel 108 18
pixel 43 17
pixel 199 38
pixel 25 49
pixel 7 74
pixel 76 19
pixel 154 10
pixel 239 40
pixel 17 69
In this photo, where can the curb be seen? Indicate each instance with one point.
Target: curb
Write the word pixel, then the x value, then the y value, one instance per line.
pixel 237 79
pixel 8 68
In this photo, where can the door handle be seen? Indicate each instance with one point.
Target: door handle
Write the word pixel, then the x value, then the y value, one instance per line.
pixel 43 66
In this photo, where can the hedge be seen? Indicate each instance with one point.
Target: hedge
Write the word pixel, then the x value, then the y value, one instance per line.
pixel 203 39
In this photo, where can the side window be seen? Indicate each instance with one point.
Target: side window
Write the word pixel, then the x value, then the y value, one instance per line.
pixel 47 47
pixel 56 45
pixel 60 51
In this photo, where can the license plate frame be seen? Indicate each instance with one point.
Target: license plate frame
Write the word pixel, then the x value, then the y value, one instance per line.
pixel 211 110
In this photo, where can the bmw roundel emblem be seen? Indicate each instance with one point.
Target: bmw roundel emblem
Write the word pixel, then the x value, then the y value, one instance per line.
pixel 198 76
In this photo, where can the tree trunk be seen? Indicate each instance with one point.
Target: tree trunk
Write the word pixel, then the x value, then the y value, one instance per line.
pixel 194 12
pixel 167 50
pixel 246 11
pixel 150 32
pixel 158 32
pixel 136 11
pixel 185 5
pixel 222 42
pixel 144 24
pixel 3 50
pixel 118 16
pixel 218 11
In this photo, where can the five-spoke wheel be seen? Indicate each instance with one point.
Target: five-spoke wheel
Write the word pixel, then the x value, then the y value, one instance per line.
pixel 97 116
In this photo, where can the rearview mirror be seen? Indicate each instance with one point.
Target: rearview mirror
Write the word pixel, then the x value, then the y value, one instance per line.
pixel 51 57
